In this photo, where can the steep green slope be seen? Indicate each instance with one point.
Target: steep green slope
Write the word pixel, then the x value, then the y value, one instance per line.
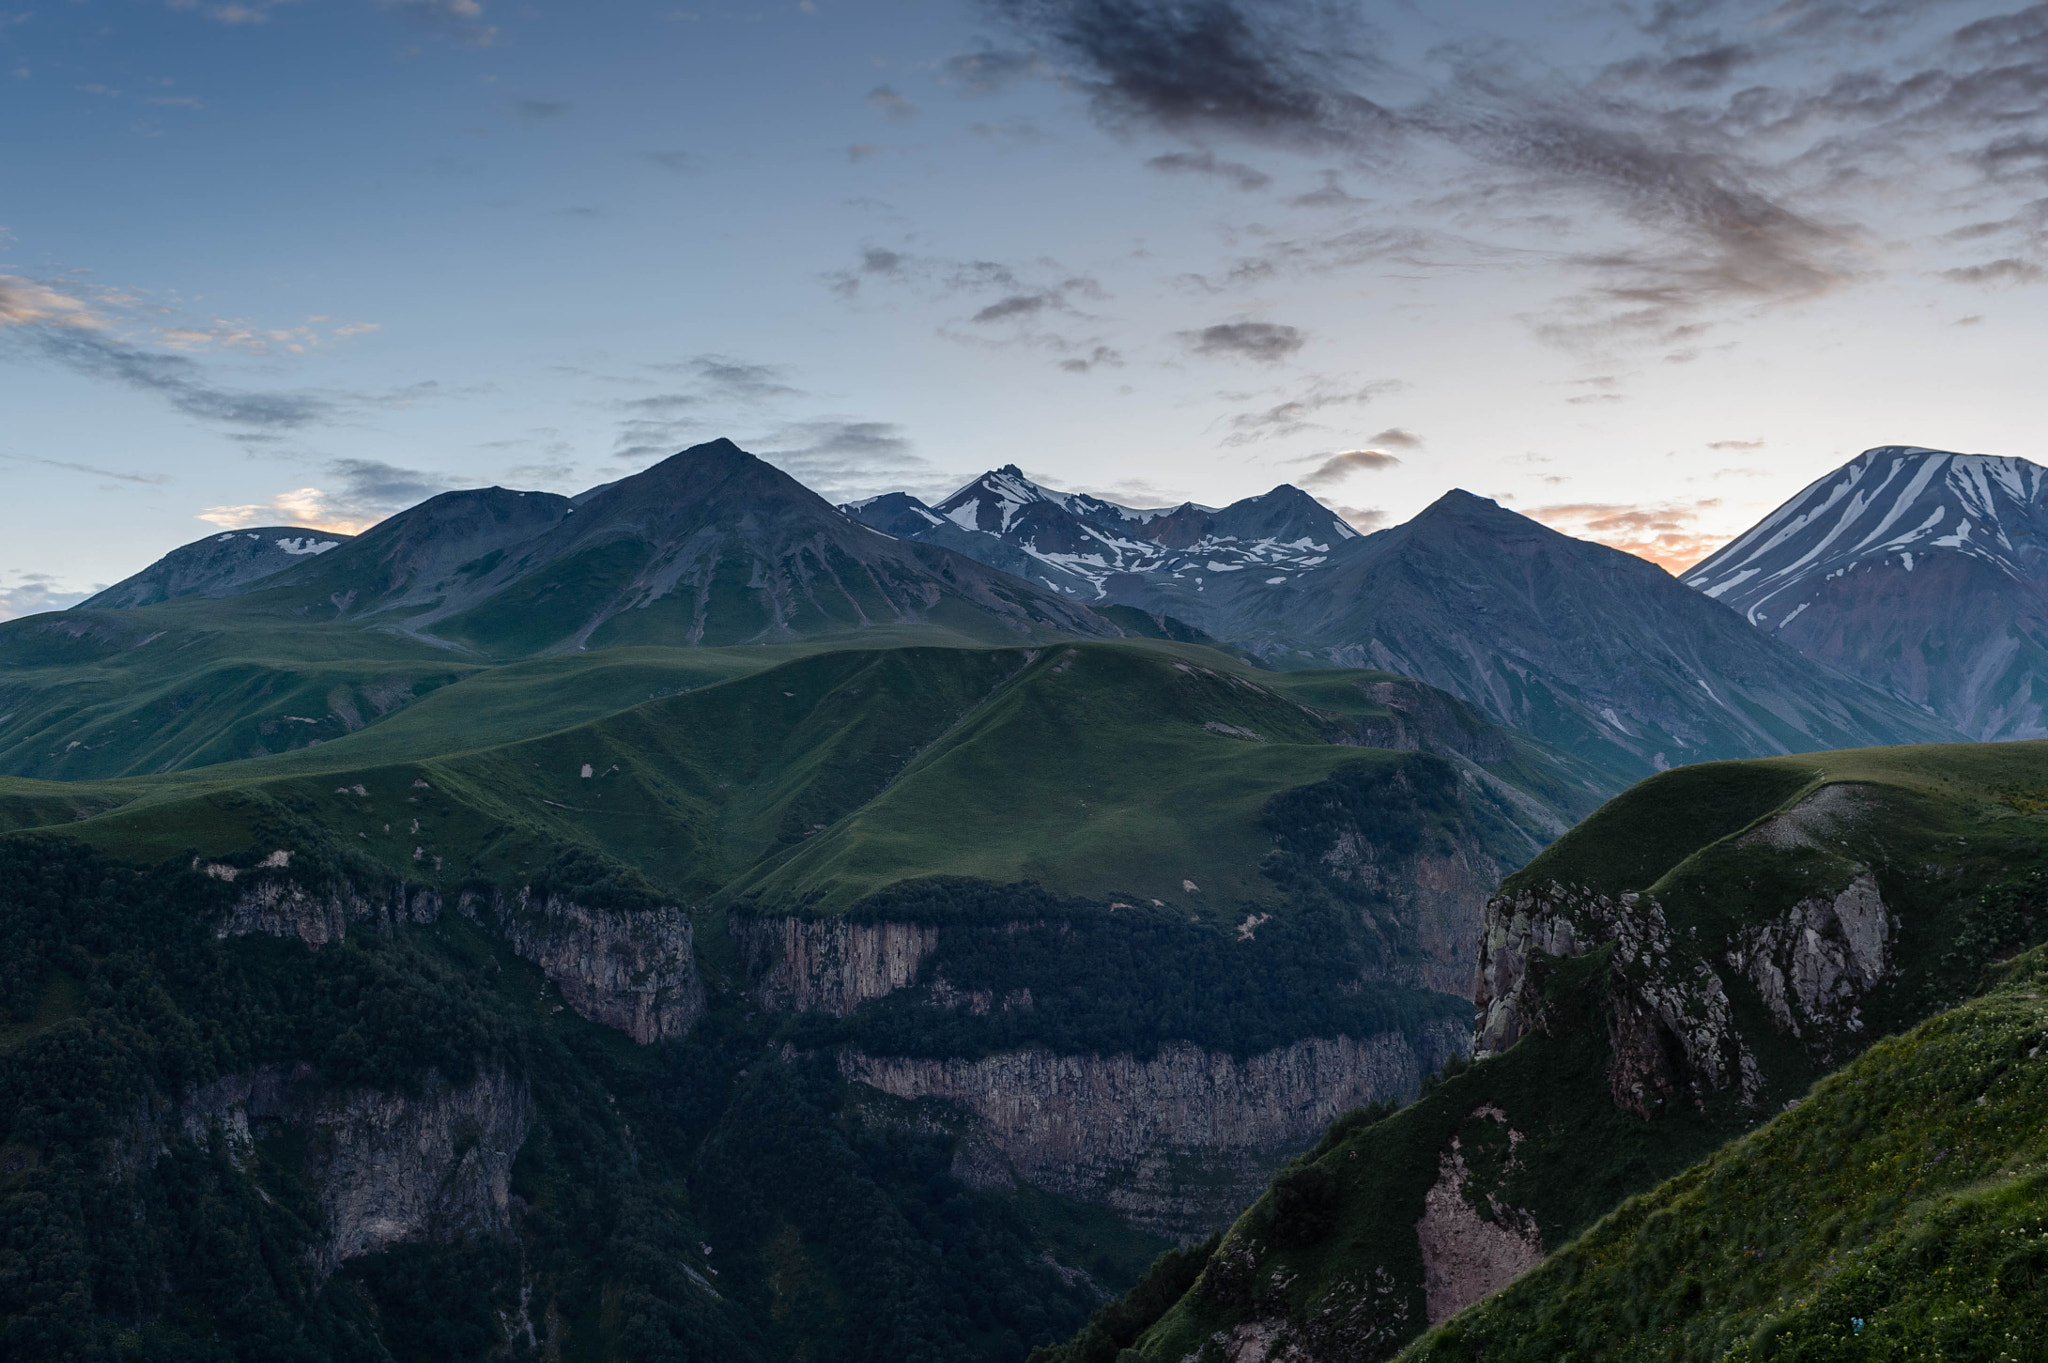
pixel 1899 1212
pixel 1680 966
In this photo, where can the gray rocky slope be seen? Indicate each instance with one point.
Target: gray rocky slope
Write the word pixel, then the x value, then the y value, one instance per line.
pixel 1918 570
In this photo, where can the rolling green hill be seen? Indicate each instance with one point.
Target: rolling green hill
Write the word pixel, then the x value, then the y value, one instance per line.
pixel 1681 966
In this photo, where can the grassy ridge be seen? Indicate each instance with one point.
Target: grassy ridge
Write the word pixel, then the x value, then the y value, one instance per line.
pixel 1899 1212
pixel 1129 768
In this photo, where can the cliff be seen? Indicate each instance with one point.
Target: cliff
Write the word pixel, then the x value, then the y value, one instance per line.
pixel 633 970
pixel 1173 1142
pixel 385 1167
pixel 830 965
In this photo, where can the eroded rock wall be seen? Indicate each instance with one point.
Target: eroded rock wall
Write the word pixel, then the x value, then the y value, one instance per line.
pixel 635 970
pixel 387 1168
pixel 830 965
pixel 1177 1142
pixel 281 907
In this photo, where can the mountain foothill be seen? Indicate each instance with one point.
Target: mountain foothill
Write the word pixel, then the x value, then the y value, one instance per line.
pixel 692 920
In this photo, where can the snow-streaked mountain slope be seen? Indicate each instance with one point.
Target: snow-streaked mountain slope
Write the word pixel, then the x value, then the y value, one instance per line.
pixel 219 565
pixel 1082 546
pixel 1921 570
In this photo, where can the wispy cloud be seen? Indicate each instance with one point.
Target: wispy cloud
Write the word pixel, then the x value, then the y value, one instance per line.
pixel 1299 413
pixel 1234 173
pixel 1667 534
pixel 61 326
pixel 460 20
pixel 111 475
pixel 885 101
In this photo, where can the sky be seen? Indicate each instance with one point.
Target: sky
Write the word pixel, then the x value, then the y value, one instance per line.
pixel 1638 268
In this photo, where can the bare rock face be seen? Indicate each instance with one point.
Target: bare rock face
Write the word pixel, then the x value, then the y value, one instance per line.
pixel 1175 1142
pixel 1815 960
pixel 634 970
pixel 1467 1256
pixel 282 907
pixel 387 1168
pixel 830 965
pixel 1670 1023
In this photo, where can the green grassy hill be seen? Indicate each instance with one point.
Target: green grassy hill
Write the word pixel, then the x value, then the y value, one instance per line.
pixel 1625 1069
pixel 1131 767
pixel 1900 1211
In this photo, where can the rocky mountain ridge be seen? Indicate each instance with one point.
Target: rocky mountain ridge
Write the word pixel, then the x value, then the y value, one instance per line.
pixel 1919 570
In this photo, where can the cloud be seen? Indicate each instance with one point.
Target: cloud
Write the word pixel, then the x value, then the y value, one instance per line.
pixel 675 162
pixel 1397 436
pixel 1335 468
pixel 723 376
pixel 1275 70
pixel 1297 414
pixel 1016 305
pixel 540 108
pixel 34 593
pixel 1098 357
pixel 112 475
pixel 233 11
pixel 861 151
pixel 989 70
pixel 1667 534
pixel 2006 271
pixel 365 491
pixel 890 105
pixel 1364 519
pixel 1262 342
pixel 1735 444
pixel 1235 173
pixel 65 329
pixel 460 20
pixel 841 458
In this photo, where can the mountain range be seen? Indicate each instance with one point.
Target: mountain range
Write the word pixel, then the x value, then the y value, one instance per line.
pixel 690 921
pixel 1592 651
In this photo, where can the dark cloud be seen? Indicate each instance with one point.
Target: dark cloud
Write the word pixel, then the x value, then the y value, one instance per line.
pixel 890 105
pixel 1235 173
pixel 1016 305
pixel 1264 342
pixel 1397 437
pixel 727 377
pixel 1335 468
pixel 371 485
pixel 1275 70
pixel 540 108
pixel 177 379
pixel 2009 270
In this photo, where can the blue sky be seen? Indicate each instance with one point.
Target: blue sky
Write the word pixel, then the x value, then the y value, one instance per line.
pixel 1642 270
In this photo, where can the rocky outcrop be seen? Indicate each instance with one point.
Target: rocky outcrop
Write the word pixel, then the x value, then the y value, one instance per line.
pixel 635 970
pixel 386 1167
pixel 1813 962
pixel 1670 1024
pixel 282 907
pixel 830 965
pixel 1467 1254
pixel 1176 1142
